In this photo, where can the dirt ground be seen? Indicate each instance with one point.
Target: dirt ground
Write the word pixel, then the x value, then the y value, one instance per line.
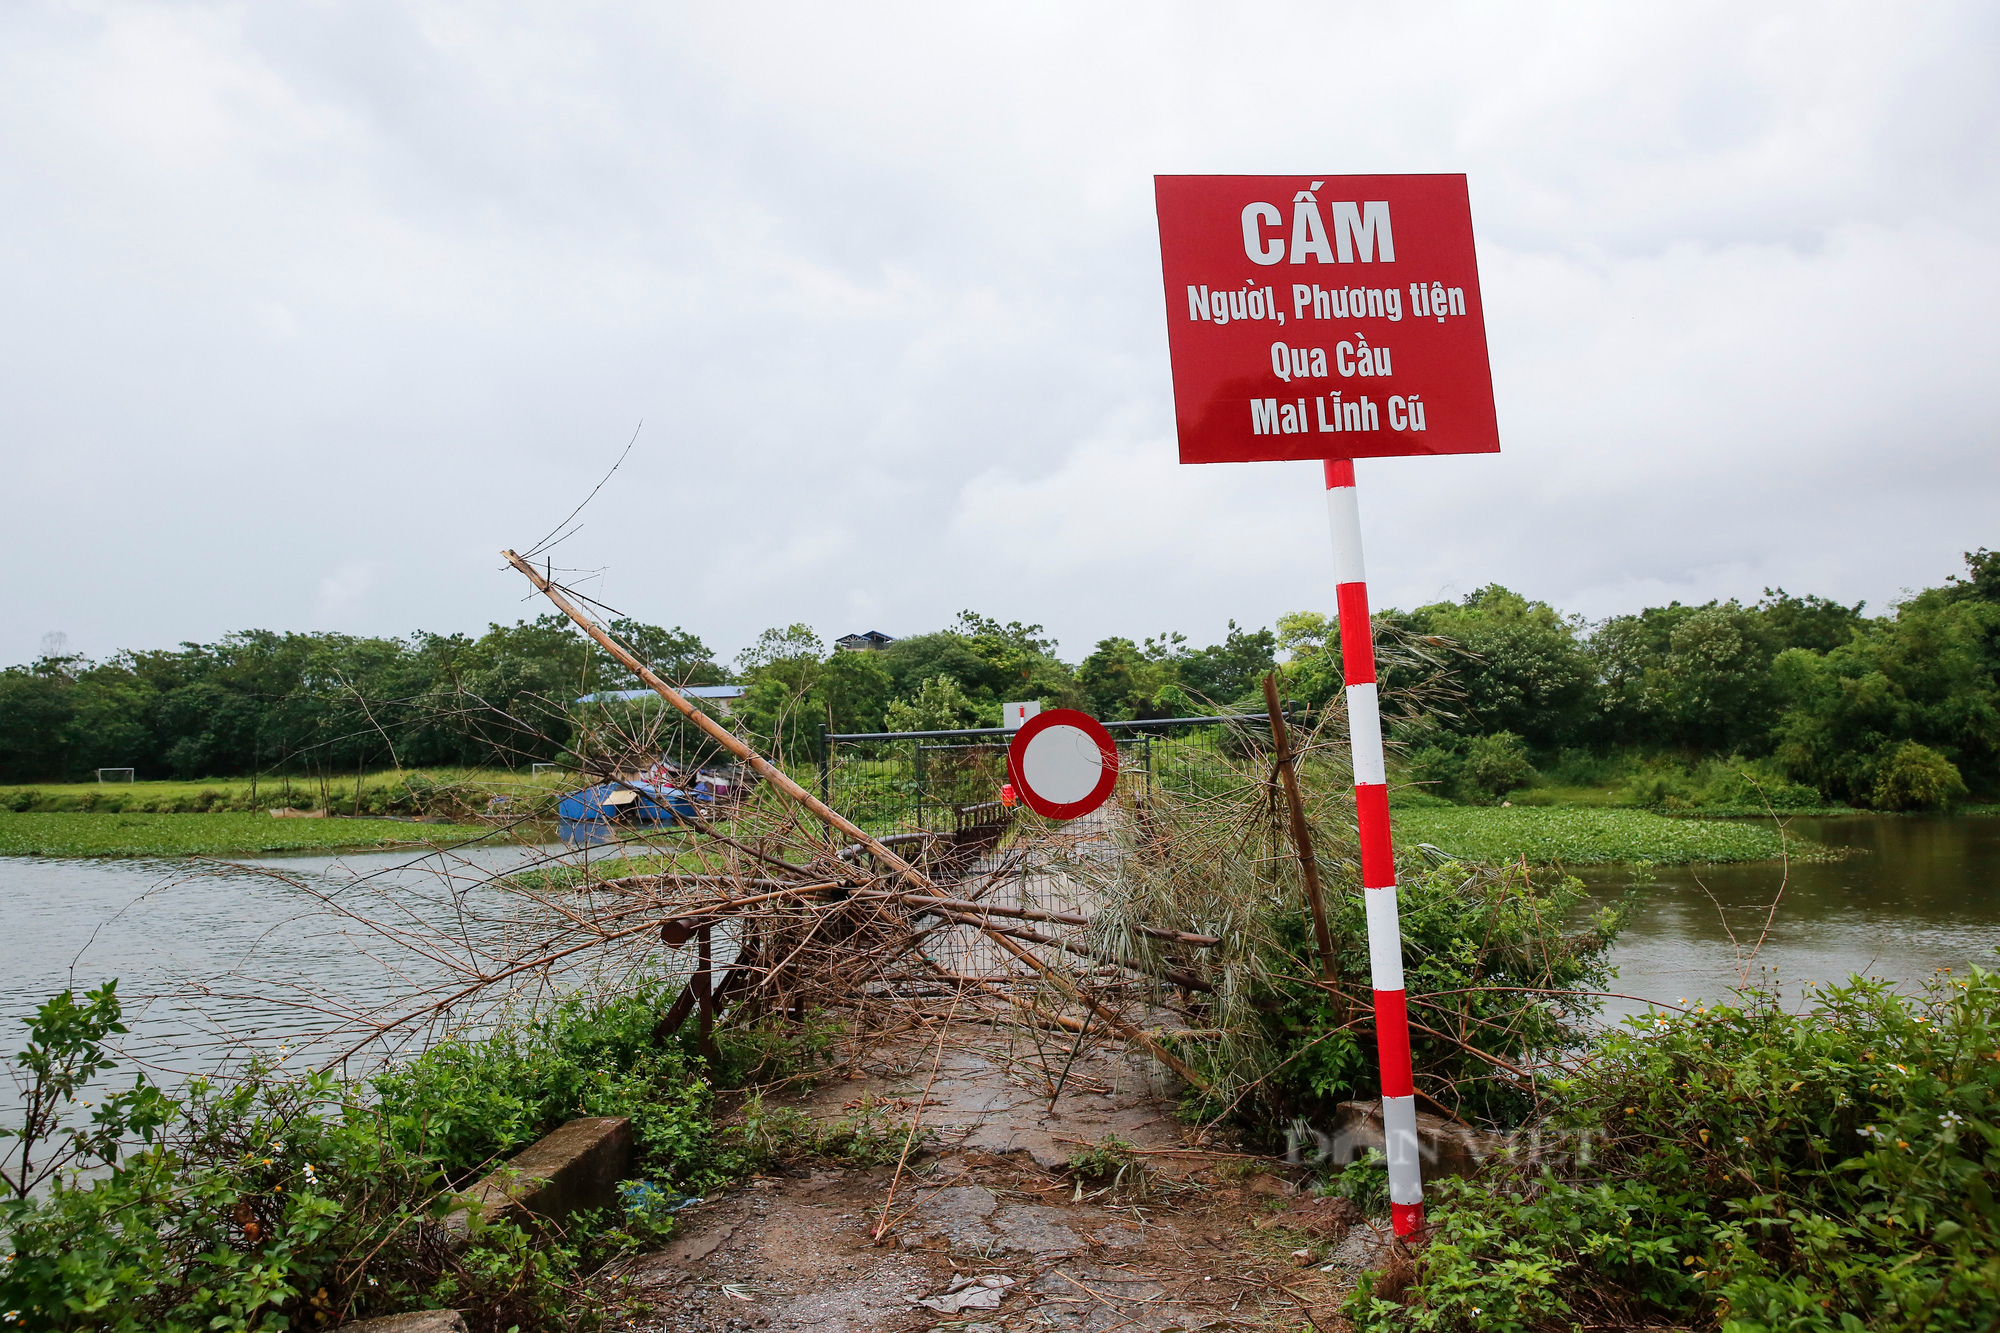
pixel 1210 1238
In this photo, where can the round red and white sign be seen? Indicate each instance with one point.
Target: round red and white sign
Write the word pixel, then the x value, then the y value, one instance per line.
pixel 1063 763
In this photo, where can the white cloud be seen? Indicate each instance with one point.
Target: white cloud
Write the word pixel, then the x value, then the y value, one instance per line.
pixel 343 593
pixel 284 282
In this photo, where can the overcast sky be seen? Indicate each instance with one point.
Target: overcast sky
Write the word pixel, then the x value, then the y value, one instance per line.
pixel 308 309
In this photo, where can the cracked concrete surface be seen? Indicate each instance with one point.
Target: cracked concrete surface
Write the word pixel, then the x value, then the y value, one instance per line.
pixel 1213 1241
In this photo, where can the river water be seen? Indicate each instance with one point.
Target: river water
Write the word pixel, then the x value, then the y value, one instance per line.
pixel 1916 894
pixel 256 957
pixel 228 952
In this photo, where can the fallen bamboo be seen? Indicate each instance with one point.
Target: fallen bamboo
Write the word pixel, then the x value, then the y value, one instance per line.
pixel 1039 914
pixel 720 734
pixel 1119 1025
pixel 832 818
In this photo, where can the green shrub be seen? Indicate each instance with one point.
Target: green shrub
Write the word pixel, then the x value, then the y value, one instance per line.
pixel 1485 955
pixel 1111 1164
pixel 1733 784
pixel 1915 777
pixel 281 1201
pixel 1364 1182
pixel 1748 1169
pixel 1475 769
pixel 464 1104
pixel 868 1135
pixel 1754 785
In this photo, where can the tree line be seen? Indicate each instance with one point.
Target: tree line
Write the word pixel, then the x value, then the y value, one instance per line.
pixel 1808 697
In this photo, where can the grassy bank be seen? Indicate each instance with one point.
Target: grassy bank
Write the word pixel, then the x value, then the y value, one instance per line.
pixel 1585 836
pixel 408 792
pixel 211 835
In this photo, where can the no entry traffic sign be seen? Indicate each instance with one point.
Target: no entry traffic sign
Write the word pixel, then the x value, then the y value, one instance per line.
pixel 1324 317
pixel 1063 763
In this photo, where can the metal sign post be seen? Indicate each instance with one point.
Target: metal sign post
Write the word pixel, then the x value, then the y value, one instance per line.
pixel 1335 318
pixel 1378 857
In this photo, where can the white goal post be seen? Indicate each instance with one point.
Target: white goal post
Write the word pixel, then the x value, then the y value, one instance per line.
pixel 117 775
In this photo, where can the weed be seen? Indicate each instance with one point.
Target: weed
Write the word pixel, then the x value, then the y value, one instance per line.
pixel 1364 1182
pixel 1590 837
pixel 1111 1164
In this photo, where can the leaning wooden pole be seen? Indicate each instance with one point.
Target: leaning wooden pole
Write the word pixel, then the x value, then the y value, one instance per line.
pixel 827 814
pixel 1301 835
pixel 771 773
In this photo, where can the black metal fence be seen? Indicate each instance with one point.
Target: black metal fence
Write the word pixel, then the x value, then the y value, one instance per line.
pixel 931 781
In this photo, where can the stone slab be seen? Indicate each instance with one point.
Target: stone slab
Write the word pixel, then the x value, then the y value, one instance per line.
pixel 576 1168
pixel 418 1321
pixel 1444 1147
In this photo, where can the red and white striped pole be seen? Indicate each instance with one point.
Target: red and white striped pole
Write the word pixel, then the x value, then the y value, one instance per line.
pixel 1378 860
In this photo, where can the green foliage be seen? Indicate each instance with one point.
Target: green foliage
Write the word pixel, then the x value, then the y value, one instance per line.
pixel 65 1052
pixel 868 1135
pixel 939 705
pixel 1520 666
pixel 464 1104
pixel 1163 677
pixel 1693 678
pixel 1469 935
pixel 1734 784
pixel 208 835
pixel 852 691
pixel 1478 770
pixel 1365 1182
pixel 258 701
pixel 1111 1164
pixel 280 1201
pixel 1983 581
pixel 1930 674
pixel 1916 777
pixel 1747 1169
pixel 1574 836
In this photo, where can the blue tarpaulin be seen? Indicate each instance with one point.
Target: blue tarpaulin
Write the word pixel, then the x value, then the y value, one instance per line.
pixel 641 802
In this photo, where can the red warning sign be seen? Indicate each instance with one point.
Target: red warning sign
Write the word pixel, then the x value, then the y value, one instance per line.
pixel 1324 317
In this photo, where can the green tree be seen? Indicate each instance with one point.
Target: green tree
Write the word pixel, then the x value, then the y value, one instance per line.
pixel 780 671
pixel 940 705
pixel 1916 777
pixel 1122 680
pixel 1930 674
pixel 1522 667
pixel 1231 671
pixel 36 710
pixel 1785 621
pixel 852 691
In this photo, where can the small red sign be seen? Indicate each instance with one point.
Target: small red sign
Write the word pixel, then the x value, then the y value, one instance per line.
pixel 1063 763
pixel 1324 317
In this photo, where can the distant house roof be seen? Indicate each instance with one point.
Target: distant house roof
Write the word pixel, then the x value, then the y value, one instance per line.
pixel 874 638
pixel 690 691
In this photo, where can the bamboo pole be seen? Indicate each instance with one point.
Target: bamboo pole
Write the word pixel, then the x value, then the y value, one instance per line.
pixel 716 731
pixel 832 818
pixel 1124 1029
pixel 1301 835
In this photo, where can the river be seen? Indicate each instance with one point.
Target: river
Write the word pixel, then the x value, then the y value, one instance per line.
pixel 256 956
pixel 1917 894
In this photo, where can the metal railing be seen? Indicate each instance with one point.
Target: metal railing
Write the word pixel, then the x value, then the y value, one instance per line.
pixel 929 781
